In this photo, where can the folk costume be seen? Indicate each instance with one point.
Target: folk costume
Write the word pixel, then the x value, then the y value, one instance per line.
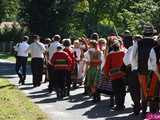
pixel 93 60
pixel 61 63
pixel 154 65
pixel 78 66
pixel 133 82
pixel 51 50
pixel 112 66
pixel 69 51
pixel 140 56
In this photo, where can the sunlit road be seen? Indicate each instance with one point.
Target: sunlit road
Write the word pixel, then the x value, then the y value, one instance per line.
pixel 75 107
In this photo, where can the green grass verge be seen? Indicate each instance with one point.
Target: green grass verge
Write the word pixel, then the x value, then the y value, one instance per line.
pixel 15 106
pixel 11 58
pixel 8 57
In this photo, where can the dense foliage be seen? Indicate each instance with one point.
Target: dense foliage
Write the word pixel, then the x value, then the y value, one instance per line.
pixel 74 18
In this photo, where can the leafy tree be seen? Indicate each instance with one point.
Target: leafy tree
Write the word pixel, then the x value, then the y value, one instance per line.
pixel 9 10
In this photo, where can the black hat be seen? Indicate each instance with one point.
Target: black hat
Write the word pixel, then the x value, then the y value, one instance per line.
pixel 95 36
pixel 25 38
pixel 66 42
pixel 148 29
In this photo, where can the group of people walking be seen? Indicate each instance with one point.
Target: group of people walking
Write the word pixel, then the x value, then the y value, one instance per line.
pixel 117 61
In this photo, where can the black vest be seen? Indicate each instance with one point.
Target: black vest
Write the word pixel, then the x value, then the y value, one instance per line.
pixel 144 48
pixel 157 51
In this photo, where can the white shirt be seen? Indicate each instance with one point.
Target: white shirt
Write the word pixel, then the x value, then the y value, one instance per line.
pixel 87 56
pixel 21 48
pixel 53 48
pixel 152 61
pixel 37 49
pixel 78 53
pixel 134 56
pixel 126 58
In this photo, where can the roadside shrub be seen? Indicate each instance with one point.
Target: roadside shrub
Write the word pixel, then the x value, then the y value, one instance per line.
pixel 13 33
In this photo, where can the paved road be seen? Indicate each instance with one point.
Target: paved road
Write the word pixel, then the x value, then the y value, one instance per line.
pixel 76 107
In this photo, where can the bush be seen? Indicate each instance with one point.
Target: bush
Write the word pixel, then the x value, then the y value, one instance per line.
pixel 14 33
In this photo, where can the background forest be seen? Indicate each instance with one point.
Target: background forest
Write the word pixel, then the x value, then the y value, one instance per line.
pixel 75 18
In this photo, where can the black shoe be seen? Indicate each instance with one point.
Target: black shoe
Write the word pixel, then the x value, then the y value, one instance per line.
pixel 68 93
pixel 85 93
pixel 50 91
pixel 39 84
pixel 143 115
pixel 96 98
pixel 35 86
pixel 23 83
pixel 20 81
pixel 111 105
pixel 46 80
pixel 74 86
pixel 136 109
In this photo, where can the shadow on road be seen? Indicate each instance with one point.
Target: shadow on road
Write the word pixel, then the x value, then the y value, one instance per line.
pixel 8 77
pixel 102 110
pixel 44 95
pixel 9 86
pixel 130 117
pixel 85 104
pixel 78 98
pixel 9 69
pixel 41 91
pixel 48 100
pixel 99 111
pixel 26 88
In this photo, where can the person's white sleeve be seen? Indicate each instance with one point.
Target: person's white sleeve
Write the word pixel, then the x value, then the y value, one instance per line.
pixel 126 59
pixel 134 52
pixel 28 49
pixel 16 47
pixel 103 60
pixel 43 48
pixel 86 57
pixel 152 61
pixel 79 54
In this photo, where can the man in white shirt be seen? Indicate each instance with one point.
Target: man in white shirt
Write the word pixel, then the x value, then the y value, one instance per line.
pixel 51 50
pixel 139 60
pixel 21 59
pixel 132 76
pixel 37 50
pixel 53 46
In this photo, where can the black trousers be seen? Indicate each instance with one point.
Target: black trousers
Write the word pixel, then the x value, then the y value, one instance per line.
pixel 68 82
pixel 51 78
pixel 118 87
pixel 134 88
pixel 21 62
pixel 37 70
pixel 59 81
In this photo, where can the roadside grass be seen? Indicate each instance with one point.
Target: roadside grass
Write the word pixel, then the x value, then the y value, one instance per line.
pixel 15 106
pixel 11 57
pixel 8 57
